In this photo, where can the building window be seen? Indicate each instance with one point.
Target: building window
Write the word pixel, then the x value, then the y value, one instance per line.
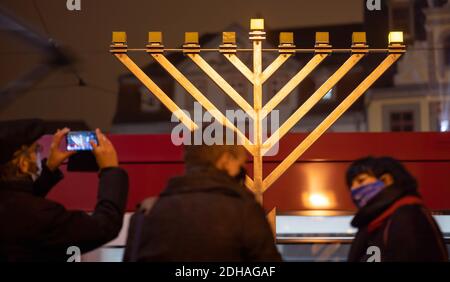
pixel 402 18
pixel 402 121
pixel 149 103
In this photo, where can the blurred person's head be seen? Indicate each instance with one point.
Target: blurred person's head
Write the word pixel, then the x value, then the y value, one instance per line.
pixel 368 176
pixel 228 158
pixel 20 152
pixel 26 163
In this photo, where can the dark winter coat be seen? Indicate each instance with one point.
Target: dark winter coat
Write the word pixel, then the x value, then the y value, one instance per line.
pixel 36 229
pixel 397 222
pixel 203 216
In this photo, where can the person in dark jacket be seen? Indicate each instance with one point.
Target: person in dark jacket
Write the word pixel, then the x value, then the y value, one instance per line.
pixel 37 229
pixel 205 215
pixel 392 220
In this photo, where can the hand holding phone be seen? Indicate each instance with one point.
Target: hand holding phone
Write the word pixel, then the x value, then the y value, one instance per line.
pixel 104 151
pixel 56 155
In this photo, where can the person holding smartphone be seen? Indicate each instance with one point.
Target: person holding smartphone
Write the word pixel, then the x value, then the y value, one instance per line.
pixel 34 228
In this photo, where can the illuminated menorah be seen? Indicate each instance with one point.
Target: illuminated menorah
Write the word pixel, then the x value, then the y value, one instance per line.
pixel 256 147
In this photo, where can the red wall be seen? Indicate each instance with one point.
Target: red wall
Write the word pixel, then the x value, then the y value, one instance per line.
pixel 151 159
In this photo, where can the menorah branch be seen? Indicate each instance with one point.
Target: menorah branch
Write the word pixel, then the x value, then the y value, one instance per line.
pixel 330 119
pixel 222 83
pixel 249 183
pixel 240 66
pixel 158 92
pixel 199 97
pixel 311 101
pixel 274 66
pixel 257 77
pixel 293 82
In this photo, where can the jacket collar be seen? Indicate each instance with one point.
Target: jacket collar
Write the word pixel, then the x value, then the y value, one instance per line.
pixel 206 179
pixel 380 203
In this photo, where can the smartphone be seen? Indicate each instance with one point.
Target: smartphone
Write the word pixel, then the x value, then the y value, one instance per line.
pixel 80 140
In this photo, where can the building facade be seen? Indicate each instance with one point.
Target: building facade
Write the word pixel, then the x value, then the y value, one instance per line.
pixel 418 99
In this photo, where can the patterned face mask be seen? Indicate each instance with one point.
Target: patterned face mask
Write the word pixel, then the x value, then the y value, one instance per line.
pixel 364 193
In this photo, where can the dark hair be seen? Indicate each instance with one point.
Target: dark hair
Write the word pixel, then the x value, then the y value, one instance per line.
pixel 379 166
pixel 207 155
pixel 10 170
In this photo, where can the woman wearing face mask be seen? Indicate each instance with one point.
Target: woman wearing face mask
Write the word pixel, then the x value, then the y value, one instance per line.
pixel 34 228
pixel 391 214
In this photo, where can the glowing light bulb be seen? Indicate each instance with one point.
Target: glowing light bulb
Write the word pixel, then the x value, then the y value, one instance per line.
pixel 319 200
pixel 395 37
